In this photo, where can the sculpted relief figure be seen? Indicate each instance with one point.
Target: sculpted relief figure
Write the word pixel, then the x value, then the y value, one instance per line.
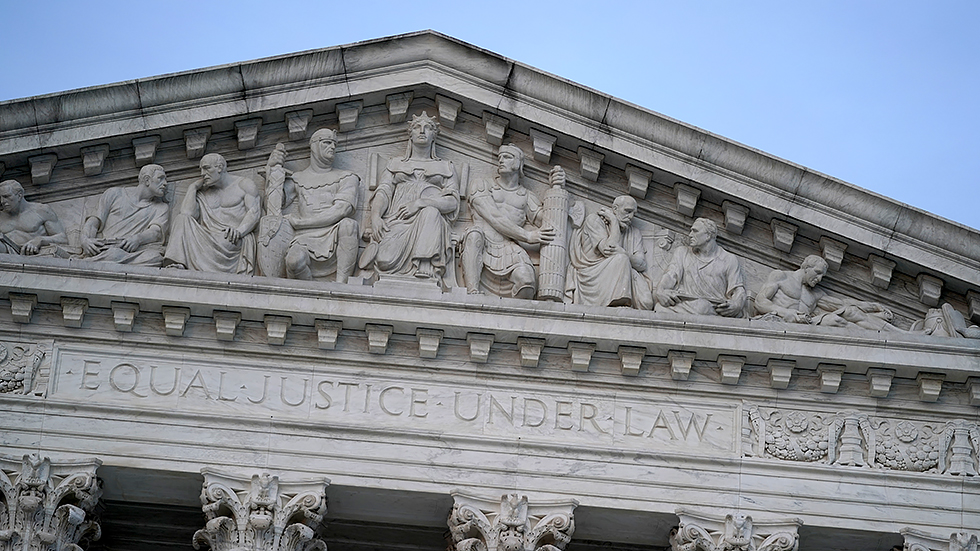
pixel 506 217
pixel 213 230
pixel 607 259
pixel 795 298
pixel 702 278
pixel 26 227
pixel 416 202
pixel 320 202
pixel 130 224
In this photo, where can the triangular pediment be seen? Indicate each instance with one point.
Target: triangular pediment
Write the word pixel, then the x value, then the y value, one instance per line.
pixel 409 364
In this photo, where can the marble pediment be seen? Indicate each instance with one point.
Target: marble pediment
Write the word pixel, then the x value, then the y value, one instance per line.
pixel 67 149
pixel 414 265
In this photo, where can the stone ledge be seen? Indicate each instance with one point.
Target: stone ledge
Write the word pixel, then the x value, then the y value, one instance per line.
pixel 557 324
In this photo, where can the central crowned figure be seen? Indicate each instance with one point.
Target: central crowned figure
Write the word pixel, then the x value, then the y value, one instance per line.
pixel 416 202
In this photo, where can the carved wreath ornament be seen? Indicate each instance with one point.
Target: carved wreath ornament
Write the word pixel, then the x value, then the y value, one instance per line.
pixel 47 507
pixel 261 514
pixel 19 367
pixel 512 525
pixel 858 439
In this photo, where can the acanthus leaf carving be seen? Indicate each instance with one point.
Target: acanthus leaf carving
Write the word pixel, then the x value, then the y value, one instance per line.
pixel 48 506
pixel 733 532
pixel 512 524
pixel 918 540
pixel 852 438
pixel 261 513
pixel 20 367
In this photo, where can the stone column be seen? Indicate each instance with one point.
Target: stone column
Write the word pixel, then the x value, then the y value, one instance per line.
pixel 733 532
pixel 510 524
pixel 917 540
pixel 262 513
pixel 49 506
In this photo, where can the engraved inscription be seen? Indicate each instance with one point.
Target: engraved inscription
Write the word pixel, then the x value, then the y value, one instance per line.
pixel 319 396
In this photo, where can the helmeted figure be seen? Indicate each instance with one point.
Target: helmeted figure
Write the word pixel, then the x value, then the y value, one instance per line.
pixel 319 203
pixel 506 217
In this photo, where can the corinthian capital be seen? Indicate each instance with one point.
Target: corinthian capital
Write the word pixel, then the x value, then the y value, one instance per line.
pixel 262 513
pixel 733 532
pixel 49 506
pixel 917 540
pixel 510 524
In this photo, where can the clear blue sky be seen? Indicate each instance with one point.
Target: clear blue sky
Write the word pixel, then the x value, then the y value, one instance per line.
pixel 883 95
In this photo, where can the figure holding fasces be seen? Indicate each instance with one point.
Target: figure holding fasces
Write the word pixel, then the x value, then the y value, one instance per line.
pixel 702 278
pixel 130 223
pixel 608 260
pixel 213 230
pixel 506 219
pixel 413 208
pixel 26 227
pixel 319 203
pixel 793 297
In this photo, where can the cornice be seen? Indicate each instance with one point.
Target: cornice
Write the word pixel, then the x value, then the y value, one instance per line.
pixel 457 315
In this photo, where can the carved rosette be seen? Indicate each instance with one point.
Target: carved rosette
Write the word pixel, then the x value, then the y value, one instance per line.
pixel 733 532
pixel 904 445
pixel 19 366
pixel 48 506
pixel 857 439
pixel 512 524
pixel 262 513
pixel 790 435
pixel 917 540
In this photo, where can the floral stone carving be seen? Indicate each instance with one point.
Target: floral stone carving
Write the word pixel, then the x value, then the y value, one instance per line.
pixel 857 439
pixel 19 365
pixel 47 506
pixel 262 513
pixel 733 532
pixel 512 524
pixel 791 435
pixel 917 540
